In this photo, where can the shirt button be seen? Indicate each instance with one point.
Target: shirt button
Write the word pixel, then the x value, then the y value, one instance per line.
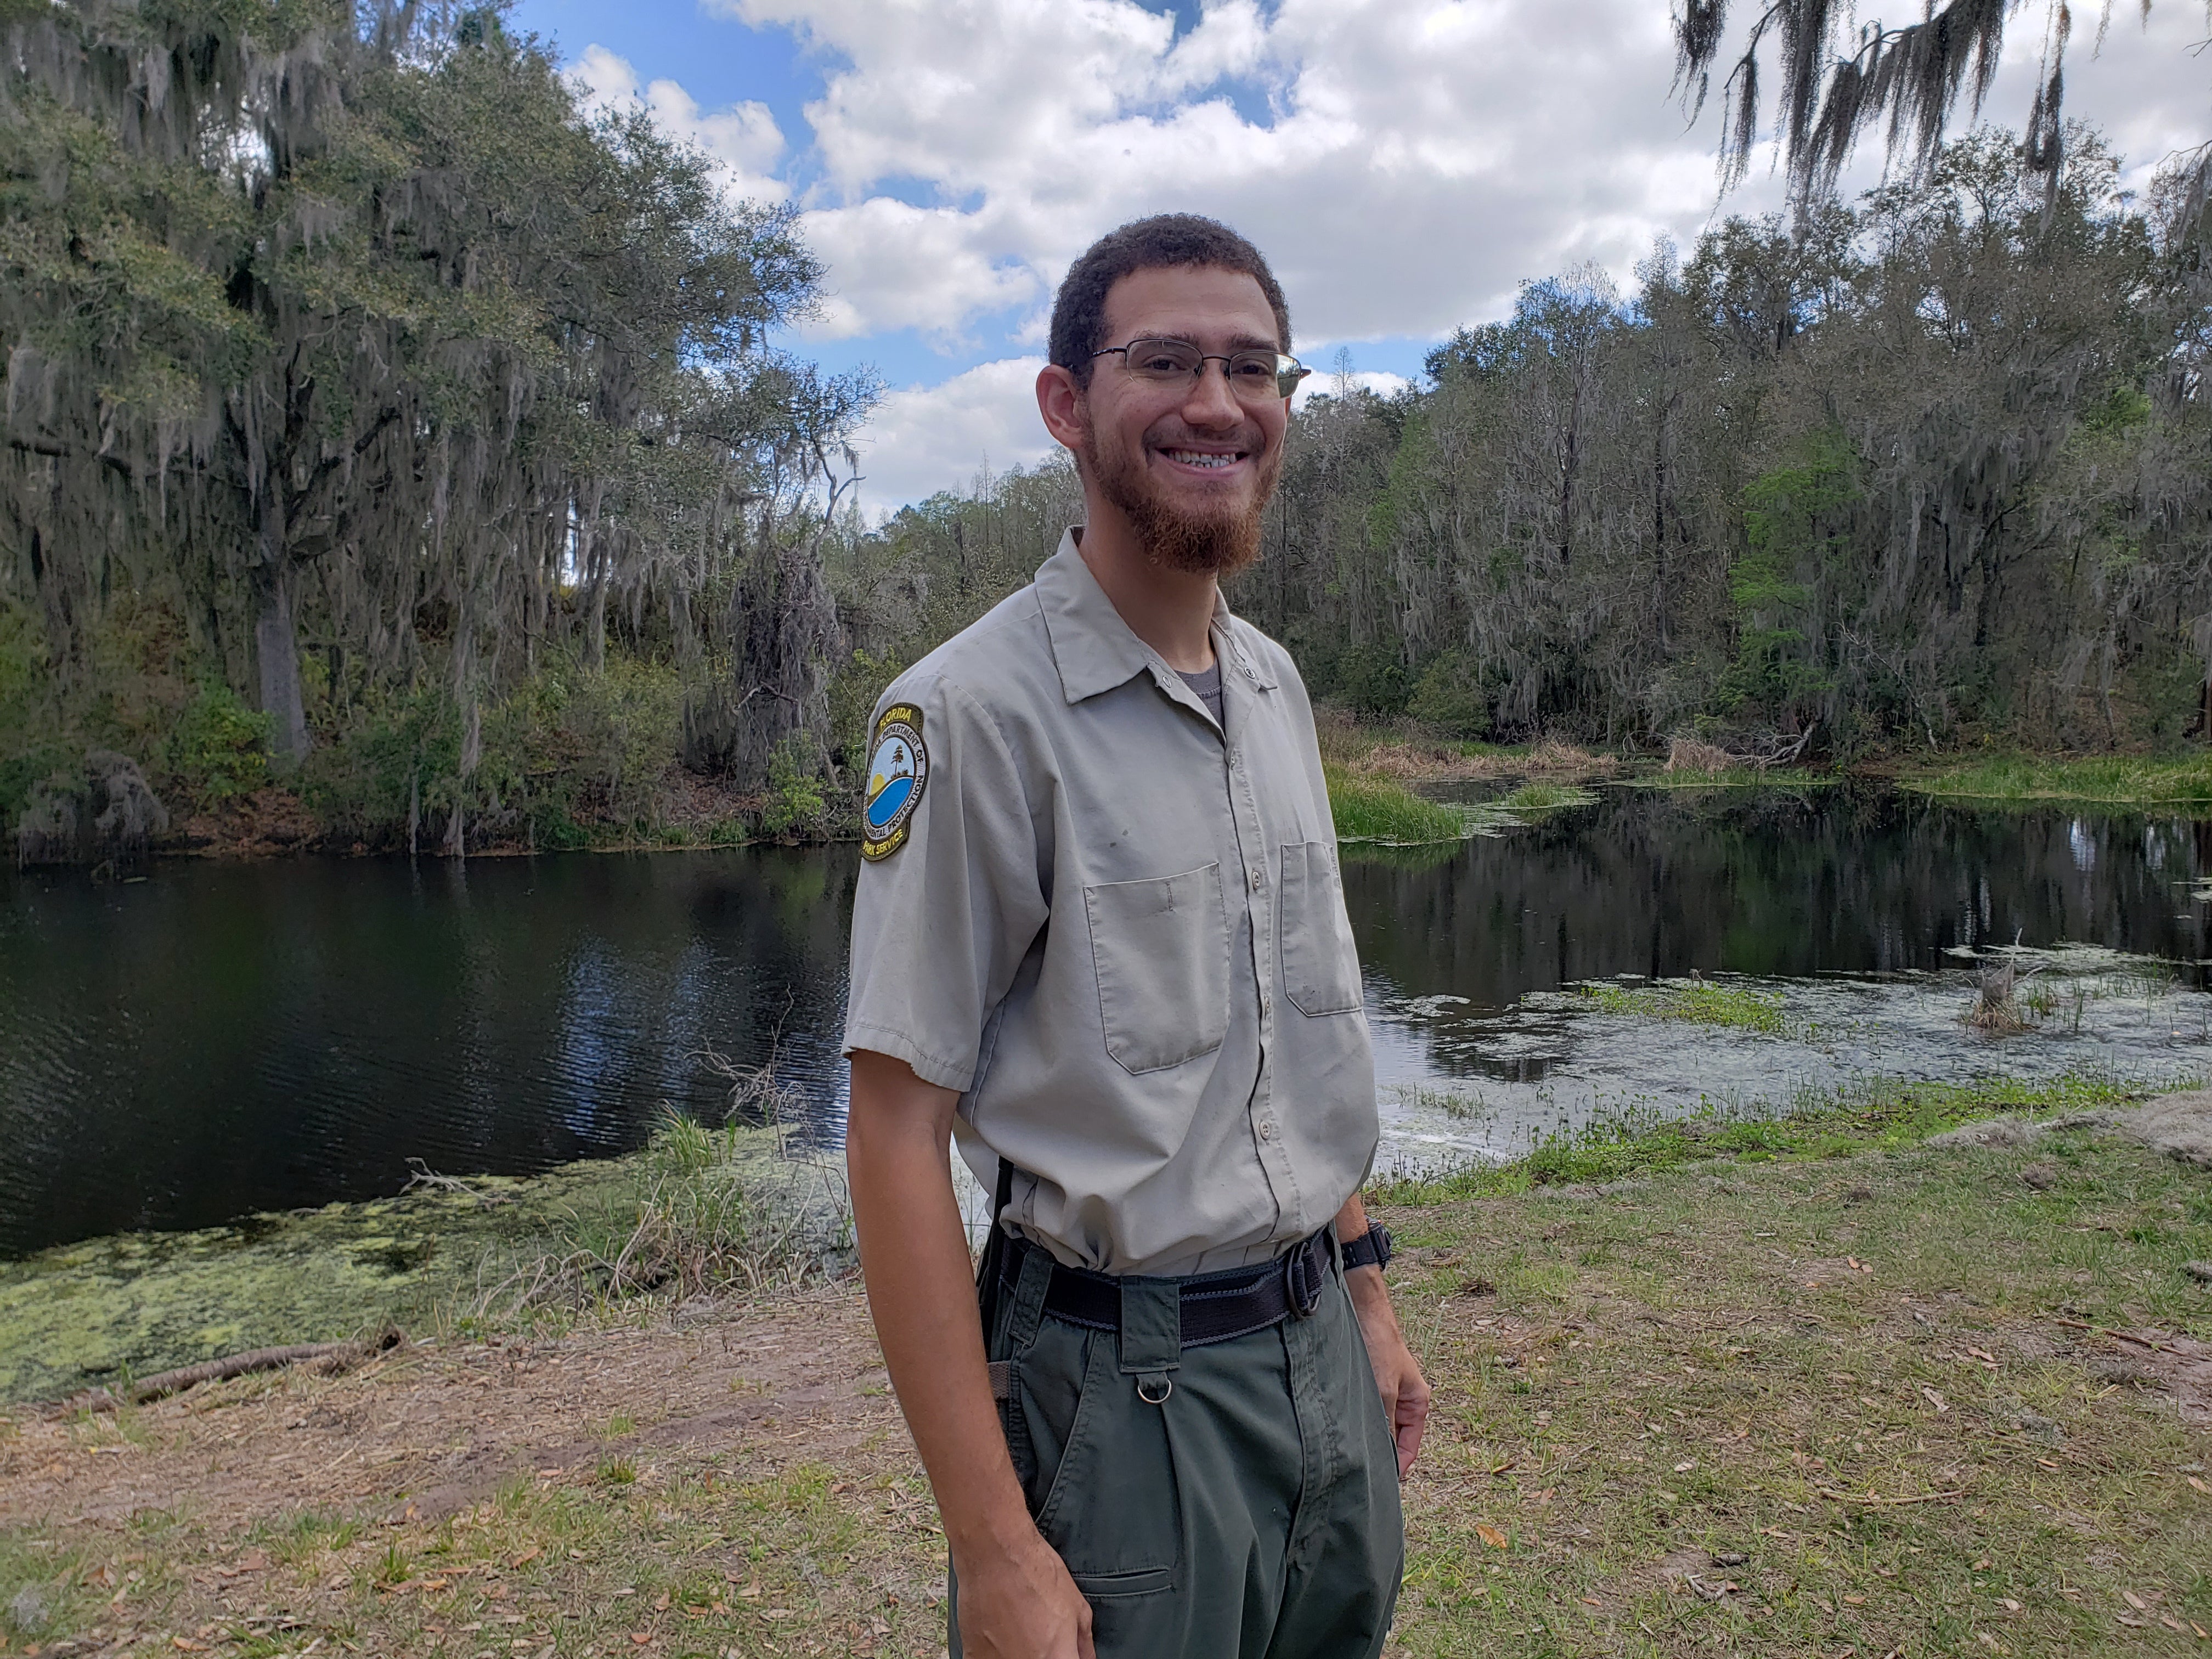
pixel 1259 879
pixel 1267 1128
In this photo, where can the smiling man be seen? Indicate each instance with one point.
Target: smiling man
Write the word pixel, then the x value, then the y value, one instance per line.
pixel 1100 940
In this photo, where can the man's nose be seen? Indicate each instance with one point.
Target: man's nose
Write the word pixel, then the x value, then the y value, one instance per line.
pixel 1211 403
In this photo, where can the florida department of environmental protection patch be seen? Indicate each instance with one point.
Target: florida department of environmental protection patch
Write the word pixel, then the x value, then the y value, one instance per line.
pixel 898 766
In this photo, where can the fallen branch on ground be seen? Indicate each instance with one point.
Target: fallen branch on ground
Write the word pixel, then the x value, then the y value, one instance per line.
pixel 334 1356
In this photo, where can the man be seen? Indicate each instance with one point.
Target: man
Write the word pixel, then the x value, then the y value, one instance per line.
pixel 1100 938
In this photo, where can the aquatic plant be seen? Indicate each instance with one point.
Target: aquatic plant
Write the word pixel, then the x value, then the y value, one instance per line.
pixel 1378 809
pixel 2108 780
pixel 1532 800
pixel 1700 1001
pixel 1996 1003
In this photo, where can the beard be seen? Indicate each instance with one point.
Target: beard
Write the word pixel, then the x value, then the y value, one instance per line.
pixel 1222 538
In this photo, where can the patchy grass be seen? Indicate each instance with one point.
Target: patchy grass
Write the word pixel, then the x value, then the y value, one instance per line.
pixel 1698 1002
pixel 1875 1114
pixel 1808 1407
pixel 2111 780
pixel 1860 1396
pixel 1375 809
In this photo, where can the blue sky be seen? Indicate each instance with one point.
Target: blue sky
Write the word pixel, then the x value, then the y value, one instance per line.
pixel 1404 163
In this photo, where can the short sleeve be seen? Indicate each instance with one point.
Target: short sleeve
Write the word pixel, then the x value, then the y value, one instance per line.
pixel 942 920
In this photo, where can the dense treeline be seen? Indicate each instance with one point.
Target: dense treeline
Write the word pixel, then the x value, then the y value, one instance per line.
pixel 390 439
pixel 1935 466
pixel 380 421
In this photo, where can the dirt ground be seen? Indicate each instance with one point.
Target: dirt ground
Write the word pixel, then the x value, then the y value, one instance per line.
pixel 426 1431
pixel 1954 1400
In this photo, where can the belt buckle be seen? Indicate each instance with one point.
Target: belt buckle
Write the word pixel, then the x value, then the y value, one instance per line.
pixel 1302 1281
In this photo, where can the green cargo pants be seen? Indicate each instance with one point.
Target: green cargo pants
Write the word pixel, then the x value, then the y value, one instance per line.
pixel 1252 1512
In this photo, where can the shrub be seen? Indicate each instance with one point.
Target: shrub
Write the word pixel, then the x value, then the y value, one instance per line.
pixel 1450 695
pixel 220 748
pixel 795 801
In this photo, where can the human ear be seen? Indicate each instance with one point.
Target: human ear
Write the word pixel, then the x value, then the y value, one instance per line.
pixel 1063 406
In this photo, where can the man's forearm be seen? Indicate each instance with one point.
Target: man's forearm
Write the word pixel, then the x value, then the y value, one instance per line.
pixel 914 1253
pixel 1398 1377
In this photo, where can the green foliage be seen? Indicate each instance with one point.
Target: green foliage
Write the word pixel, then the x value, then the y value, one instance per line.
pixel 1377 810
pixel 30 747
pixel 1875 1113
pixel 362 343
pixel 1794 525
pixel 220 748
pixel 1371 679
pixel 1452 695
pixel 795 802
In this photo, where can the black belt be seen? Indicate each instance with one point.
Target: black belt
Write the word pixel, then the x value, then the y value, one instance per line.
pixel 1215 1306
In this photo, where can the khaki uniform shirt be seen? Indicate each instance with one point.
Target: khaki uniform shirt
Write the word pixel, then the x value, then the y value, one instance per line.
pixel 1117 929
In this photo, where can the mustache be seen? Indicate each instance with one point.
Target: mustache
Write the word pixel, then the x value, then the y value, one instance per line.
pixel 1170 433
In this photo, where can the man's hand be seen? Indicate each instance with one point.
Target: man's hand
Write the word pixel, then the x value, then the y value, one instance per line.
pixel 1397 1374
pixel 1016 1600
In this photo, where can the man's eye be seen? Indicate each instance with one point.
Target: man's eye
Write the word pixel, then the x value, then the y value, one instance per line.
pixel 1253 369
pixel 1163 362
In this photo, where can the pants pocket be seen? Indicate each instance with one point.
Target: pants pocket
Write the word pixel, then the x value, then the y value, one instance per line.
pixel 1160 948
pixel 1111 1509
pixel 1320 967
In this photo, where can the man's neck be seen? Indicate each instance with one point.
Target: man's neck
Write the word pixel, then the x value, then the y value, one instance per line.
pixel 1171 610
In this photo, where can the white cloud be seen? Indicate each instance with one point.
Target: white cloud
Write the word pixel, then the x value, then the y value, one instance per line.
pixel 745 137
pixel 925 438
pixel 1327 383
pixel 1404 163
pixel 892 265
pixel 1410 162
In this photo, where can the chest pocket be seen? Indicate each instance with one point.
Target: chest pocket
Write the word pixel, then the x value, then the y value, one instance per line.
pixel 1161 948
pixel 1321 968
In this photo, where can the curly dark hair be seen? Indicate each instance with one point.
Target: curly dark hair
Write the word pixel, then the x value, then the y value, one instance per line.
pixel 1164 241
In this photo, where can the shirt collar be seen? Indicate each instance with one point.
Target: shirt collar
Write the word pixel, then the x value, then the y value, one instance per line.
pixel 1094 649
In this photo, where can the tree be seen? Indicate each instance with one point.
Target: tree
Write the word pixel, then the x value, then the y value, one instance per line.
pixel 350 333
pixel 1839 81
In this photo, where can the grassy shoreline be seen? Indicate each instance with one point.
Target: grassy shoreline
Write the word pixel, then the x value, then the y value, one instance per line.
pixel 695 1210
pixel 498 1253
pixel 2102 780
pixel 1795 1388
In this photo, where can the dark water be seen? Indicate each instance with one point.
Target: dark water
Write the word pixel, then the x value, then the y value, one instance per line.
pixel 220 1039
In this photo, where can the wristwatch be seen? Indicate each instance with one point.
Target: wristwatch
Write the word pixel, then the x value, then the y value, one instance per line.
pixel 1370 1249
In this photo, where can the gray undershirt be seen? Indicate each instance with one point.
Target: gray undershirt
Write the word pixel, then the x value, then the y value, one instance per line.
pixel 1208 687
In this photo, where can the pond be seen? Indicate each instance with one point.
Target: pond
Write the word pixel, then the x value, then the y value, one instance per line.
pixel 217 1039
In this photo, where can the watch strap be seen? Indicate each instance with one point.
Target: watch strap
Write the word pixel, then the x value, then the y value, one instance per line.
pixel 1372 1248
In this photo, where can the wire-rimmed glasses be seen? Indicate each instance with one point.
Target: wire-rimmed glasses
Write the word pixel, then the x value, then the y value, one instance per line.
pixel 1255 375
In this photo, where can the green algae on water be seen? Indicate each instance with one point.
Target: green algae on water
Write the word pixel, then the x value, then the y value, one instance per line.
pixel 1700 1001
pixel 101 1311
pixel 695 1210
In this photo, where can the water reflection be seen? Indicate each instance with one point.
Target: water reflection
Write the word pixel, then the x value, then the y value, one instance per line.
pixel 220 1039
pixel 223 1038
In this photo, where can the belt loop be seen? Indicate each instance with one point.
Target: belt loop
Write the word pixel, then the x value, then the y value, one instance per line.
pixel 1152 1335
pixel 1028 1296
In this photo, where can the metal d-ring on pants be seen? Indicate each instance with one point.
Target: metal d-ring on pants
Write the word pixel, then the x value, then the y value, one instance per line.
pixel 1253 1511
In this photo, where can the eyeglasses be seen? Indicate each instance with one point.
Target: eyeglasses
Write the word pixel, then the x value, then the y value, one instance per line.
pixel 1254 376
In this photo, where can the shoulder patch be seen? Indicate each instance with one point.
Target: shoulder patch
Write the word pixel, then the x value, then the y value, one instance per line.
pixel 898 768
